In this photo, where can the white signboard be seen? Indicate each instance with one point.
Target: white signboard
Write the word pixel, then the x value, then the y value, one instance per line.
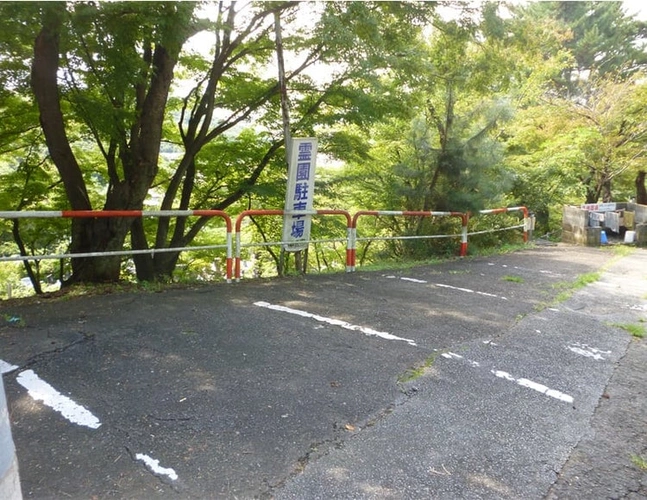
pixel 599 207
pixel 299 196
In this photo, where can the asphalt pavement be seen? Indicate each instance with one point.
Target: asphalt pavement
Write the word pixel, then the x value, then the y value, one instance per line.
pixel 465 379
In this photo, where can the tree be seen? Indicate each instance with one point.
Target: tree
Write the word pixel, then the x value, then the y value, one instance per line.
pixel 582 141
pixel 603 40
pixel 118 61
pixel 27 176
pixel 120 92
pixel 444 154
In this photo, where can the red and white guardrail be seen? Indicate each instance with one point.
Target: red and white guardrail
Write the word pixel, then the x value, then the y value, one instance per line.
pixel 353 239
pixel 251 213
pixel 89 214
pixel 527 220
pixel 233 262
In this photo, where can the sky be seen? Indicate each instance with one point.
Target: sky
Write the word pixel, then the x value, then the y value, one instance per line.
pixel 204 41
pixel 638 7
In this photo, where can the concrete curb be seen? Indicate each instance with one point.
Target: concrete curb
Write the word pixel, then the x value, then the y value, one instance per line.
pixel 9 478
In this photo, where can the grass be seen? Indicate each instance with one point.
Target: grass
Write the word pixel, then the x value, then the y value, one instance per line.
pixel 513 279
pixel 418 371
pixel 622 250
pixel 637 330
pixel 85 289
pixel 639 462
pixel 14 320
pixel 568 288
pixel 394 265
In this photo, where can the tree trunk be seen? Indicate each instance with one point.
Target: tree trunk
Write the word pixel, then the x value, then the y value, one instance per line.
pixel 97 235
pixel 33 277
pixel 606 192
pixel 45 87
pixel 592 195
pixel 641 190
pixel 88 235
pixel 143 262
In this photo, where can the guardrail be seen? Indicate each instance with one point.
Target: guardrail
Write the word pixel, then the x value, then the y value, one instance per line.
pixel 353 239
pixel 233 262
pixel 250 213
pixel 528 221
pixel 89 214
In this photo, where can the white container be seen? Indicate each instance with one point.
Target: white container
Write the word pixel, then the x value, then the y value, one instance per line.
pixel 630 236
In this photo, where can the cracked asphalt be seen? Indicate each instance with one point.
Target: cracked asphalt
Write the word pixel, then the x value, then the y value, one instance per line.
pixel 458 380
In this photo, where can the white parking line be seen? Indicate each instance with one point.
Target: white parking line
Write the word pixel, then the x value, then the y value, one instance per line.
pixel 404 278
pixel 471 291
pixel 414 280
pixel 337 322
pixel 524 382
pixel 154 465
pixel 526 269
pixel 451 355
pixel 42 391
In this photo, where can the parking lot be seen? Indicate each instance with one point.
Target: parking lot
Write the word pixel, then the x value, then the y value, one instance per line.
pixel 464 379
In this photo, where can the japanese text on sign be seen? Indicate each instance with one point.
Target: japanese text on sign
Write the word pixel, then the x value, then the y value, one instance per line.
pixel 300 194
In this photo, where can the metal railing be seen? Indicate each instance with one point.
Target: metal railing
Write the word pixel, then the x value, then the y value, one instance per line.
pixel 89 214
pixel 233 250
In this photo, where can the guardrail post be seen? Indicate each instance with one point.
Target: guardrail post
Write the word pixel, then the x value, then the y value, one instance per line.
pixel 464 221
pixel 237 227
pixel 350 250
pixel 228 243
pixel 527 223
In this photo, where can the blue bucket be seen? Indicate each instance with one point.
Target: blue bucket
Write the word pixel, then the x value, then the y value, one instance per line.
pixel 603 238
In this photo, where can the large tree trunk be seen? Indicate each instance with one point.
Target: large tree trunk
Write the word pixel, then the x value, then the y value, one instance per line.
pixel 45 87
pixel 86 237
pixel 641 190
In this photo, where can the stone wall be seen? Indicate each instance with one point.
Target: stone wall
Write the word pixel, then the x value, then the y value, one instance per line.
pixel 575 230
pixel 640 223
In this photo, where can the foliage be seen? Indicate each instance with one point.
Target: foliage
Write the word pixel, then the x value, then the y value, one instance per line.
pixel 580 139
pixel 603 40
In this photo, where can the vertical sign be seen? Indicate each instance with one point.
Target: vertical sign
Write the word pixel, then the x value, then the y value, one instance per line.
pixel 300 194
